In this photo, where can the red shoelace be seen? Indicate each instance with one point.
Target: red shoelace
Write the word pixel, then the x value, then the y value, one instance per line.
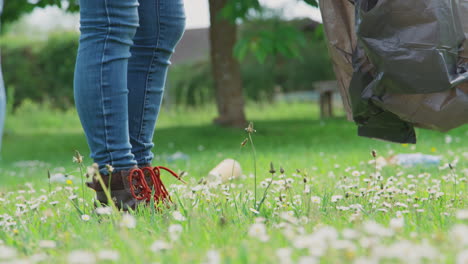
pixel 145 181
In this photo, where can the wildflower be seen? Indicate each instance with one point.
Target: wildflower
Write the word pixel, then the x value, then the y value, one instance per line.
pixel 289 217
pixel 458 234
pixel 462 257
pixel 336 198
pixel 397 223
pixel 91 171
pixel 128 221
pixel 356 173
pixel 355 217
pixel 401 205
pixel 373 228
pixel 448 139
pixel 258 230
pixel 53 202
pixel 159 246
pixel 47 244
pixel 250 129
pixel 178 216
pixel 388 205
pixel 110 255
pixel 254 211
pixel 81 257
pixel 307 260
pixel 38 258
pixel 260 220
pixel 43 198
pixel 77 158
pixel 213 257
pixel 284 255
pixel 85 217
pixel 7 252
pixel 462 214
pixel 349 233
pixel 109 168
pixel 72 197
pixel 175 231
pixel 104 210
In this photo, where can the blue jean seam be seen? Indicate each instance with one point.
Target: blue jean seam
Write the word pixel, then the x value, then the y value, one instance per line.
pixel 101 86
pixel 145 99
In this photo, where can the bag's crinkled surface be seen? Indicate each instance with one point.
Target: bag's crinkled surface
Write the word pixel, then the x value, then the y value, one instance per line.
pixel 400 64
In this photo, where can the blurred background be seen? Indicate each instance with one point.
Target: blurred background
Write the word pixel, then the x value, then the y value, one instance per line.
pixel 276 47
pixel 239 60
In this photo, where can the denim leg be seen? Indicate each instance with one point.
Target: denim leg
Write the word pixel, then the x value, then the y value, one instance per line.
pixel 101 93
pixel 162 23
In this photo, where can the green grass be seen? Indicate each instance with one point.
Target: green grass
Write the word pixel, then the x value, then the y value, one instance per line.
pixel 327 153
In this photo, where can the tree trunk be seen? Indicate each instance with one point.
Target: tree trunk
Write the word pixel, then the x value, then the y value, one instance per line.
pixel 225 68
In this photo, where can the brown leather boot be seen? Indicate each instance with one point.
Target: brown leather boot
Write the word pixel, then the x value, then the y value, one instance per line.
pixel 127 188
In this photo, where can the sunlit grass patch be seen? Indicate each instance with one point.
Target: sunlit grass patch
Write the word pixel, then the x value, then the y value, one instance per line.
pixel 322 196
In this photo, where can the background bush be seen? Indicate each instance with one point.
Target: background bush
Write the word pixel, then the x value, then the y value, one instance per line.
pixel 43 70
pixel 40 70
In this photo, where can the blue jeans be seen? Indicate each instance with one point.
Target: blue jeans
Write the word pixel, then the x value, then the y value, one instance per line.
pixel 123 58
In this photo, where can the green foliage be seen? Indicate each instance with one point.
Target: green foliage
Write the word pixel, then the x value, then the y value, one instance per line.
pixel 270 37
pixel 239 9
pixel 309 63
pixel 311 2
pixel 43 71
pixel 13 9
pixel 276 38
pixel 243 9
pixel 191 84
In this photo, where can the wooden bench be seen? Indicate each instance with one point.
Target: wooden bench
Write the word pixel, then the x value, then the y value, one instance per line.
pixel 326 89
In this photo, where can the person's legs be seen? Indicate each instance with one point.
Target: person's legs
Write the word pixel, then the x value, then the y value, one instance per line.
pixel 107 29
pixel 162 23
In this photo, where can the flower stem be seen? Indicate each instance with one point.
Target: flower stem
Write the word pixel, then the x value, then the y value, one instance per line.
pixel 254 154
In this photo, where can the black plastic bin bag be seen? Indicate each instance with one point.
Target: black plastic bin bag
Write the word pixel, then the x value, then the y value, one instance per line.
pixel 400 64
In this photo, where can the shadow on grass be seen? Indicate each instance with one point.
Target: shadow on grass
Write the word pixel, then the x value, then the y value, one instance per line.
pixel 277 139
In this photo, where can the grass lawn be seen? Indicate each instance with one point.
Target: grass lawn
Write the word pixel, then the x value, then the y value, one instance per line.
pixel 347 211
